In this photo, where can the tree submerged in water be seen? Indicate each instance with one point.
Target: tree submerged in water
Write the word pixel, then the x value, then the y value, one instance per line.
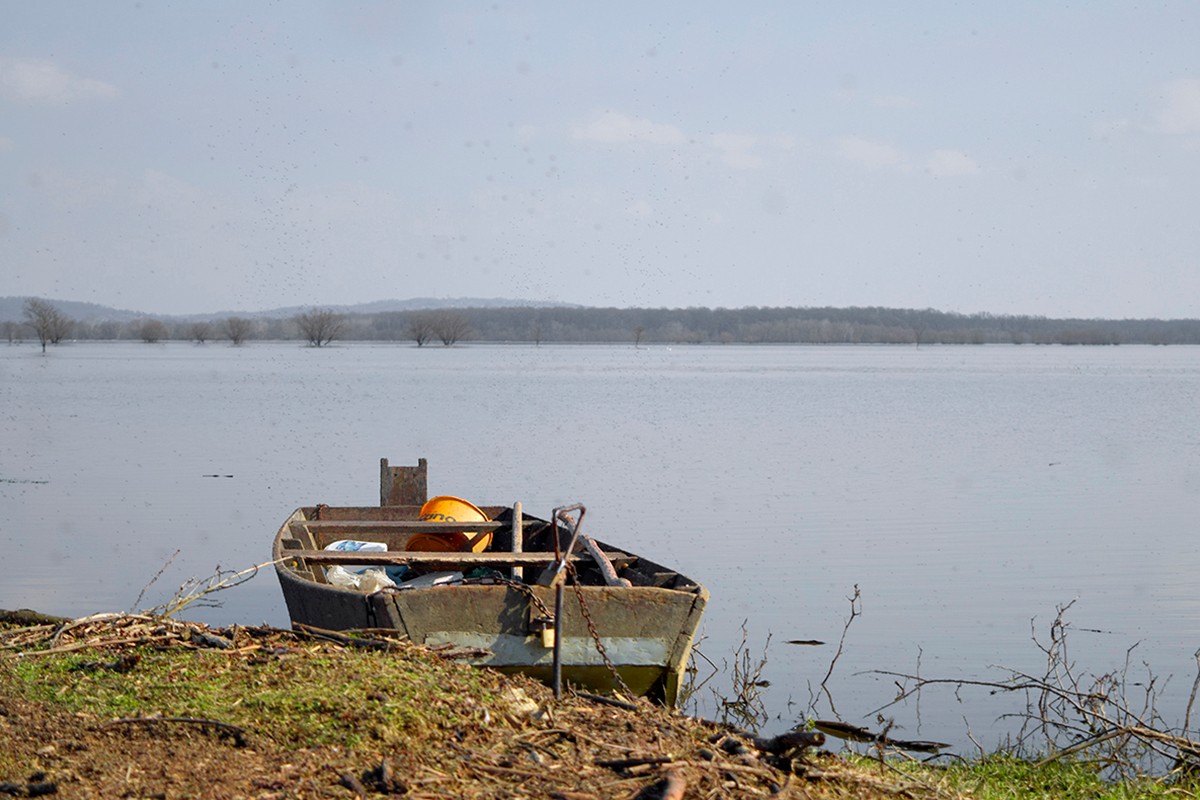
pixel 49 324
pixel 320 326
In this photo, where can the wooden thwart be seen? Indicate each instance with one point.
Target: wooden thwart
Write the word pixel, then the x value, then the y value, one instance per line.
pixel 396 558
pixel 399 525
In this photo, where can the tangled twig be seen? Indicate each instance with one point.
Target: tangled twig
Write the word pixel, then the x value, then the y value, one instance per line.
pixel 1068 713
pixel 855 611
pixel 198 591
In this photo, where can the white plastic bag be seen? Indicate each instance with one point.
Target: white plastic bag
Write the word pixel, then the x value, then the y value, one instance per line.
pixel 360 577
pixel 370 580
pixel 355 545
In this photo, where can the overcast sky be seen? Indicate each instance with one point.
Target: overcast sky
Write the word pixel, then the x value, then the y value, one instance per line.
pixel 1017 157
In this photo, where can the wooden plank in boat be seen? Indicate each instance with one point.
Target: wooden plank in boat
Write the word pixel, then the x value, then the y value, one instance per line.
pixel 401 525
pixel 526 559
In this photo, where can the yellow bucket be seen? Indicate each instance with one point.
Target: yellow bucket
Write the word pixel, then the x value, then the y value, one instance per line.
pixel 445 508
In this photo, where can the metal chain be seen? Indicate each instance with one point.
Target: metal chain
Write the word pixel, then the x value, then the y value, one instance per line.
pixel 591 626
pixel 525 589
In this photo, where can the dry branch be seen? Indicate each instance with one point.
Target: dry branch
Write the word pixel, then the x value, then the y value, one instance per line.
pixel 1068 713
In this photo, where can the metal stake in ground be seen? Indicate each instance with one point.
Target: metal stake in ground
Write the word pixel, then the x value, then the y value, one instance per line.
pixel 555 575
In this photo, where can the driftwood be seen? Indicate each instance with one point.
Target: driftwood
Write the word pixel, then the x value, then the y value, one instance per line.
pixel 854 733
pixel 842 730
pixel 343 639
pixel 607 701
pixel 627 763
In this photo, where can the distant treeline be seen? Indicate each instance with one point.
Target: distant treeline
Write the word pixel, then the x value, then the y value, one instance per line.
pixel 752 325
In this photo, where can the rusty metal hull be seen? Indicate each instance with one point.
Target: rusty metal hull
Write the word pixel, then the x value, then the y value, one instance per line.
pixel 646 630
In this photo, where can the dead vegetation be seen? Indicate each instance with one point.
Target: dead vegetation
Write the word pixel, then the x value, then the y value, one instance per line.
pixel 142 705
pixel 1111 720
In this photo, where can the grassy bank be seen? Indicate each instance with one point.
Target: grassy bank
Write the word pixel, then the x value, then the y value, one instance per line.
pixel 149 707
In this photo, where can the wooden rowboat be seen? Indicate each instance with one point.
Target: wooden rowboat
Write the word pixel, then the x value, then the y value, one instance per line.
pixel 621 618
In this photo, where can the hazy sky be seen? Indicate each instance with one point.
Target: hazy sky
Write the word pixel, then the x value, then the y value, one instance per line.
pixel 1016 157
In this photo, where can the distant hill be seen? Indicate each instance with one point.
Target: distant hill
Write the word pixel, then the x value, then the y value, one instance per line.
pixel 506 320
pixel 12 308
pixel 412 304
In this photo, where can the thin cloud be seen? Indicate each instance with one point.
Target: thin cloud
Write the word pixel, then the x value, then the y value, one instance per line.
pixel 639 208
pixel 736 149
pixel 1111 126
pixel 1180 111
pixel 898 101
pixel 950 164
pixel 612 127
pixel 527 133
pixel 34 80
pixel 157 187
pixel 877 155
pixel 869 153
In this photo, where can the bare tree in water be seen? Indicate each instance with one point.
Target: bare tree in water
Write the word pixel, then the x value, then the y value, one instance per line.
pixel 238 329
pixel 152 330
pixel 200 331
pixel 450 327
pixel 49 324
pixel 320 326
pixel 420 327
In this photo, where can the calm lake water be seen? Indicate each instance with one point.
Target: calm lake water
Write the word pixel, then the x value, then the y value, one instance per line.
pixel 966 491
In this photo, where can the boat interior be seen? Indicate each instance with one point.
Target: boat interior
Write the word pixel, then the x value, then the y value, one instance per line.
pixel 517 545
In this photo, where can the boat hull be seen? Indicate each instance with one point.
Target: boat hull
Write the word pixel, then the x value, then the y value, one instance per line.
pixel 646 631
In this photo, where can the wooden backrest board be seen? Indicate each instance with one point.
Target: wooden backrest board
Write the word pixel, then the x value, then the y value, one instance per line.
pixel 403 486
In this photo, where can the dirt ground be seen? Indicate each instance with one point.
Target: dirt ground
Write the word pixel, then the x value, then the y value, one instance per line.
pixel 530 745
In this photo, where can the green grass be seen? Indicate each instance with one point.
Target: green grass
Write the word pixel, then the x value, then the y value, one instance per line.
pixel 1008 778
pixel 347 698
